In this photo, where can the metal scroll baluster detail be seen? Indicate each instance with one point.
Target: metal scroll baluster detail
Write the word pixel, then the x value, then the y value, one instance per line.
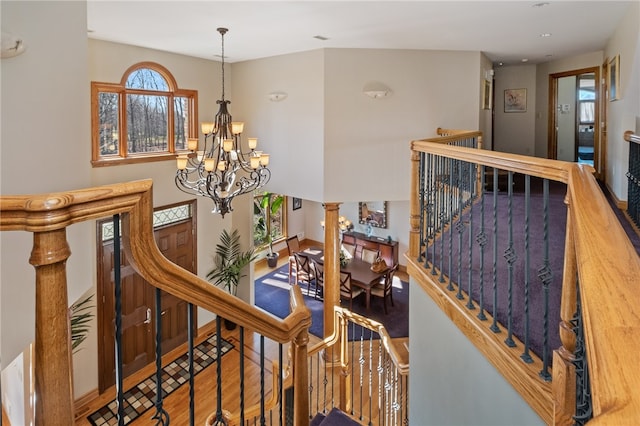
pixel 511 256
pixel 459 228
pixel 482 240
pixel 526 357
pixel 370 374
pixel 449 217
pixel 219 421
pixel 424 208
pixel 472 179
pixel 280 378
pixel 546 275
pixel 584 407
pixel 494 326
pixel 161 416
pixel 117 284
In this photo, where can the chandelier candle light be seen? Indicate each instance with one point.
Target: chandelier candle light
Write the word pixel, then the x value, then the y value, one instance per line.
pixel 221 170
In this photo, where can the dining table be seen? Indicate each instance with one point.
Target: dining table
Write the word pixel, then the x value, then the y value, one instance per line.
pixel 361 274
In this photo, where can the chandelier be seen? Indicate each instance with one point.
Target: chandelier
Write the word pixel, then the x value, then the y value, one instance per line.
pixel 221 171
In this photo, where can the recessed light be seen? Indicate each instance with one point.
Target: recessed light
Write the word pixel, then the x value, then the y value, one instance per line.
pixel 542 4
pixel 525 60
pixel 545 35
pixel 319 37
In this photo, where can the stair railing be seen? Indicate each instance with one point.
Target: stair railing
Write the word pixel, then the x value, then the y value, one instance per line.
pixel 633 177
pixel 359 370
pixel 48 215
pixel 592 370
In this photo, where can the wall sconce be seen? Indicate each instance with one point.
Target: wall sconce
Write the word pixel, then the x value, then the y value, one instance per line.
pixel 277 96
pixel 376 90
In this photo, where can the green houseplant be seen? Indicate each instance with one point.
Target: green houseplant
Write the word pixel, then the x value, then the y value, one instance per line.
pixel 229 261
pixel 269 203
pixel 80 322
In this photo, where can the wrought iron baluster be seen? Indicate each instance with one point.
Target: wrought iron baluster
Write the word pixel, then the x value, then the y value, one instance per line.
pixel 280 379
pixel 546 276
pixel 450 222
pixel 192 397
pixel 584 406
pixel 370 375
pixel 241 374
pixel 161 417
pixel 423 207
pixel 219 418
pixel 526 357
pixel 262 418
pixel 117 284
pixel 361 363
pixel 442 217
pixel 472 180
pixel 459 228
pixel 380 370
pixel 494 326
pixel 482 240
pixel 511 256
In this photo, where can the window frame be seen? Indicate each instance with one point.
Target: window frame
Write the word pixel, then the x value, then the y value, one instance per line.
pixel 124 156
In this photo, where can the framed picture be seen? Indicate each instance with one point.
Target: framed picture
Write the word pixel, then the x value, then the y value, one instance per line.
pixel 297 203
pixel 614 78
pixel 486 94
pixel 515 100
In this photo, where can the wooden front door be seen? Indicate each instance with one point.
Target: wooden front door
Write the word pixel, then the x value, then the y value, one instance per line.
pixel 176 242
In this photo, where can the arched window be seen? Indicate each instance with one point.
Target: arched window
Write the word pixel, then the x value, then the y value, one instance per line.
pixel 143 118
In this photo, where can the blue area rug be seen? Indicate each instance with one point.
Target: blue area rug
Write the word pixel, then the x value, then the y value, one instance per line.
pixel 272 295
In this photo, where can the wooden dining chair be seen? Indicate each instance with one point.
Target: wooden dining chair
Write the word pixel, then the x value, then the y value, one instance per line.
pixel 347 290
pixel 293 244
pixel 349 248
pixel 384 288
pixel 303 270
pixel 369 255
pixel 318 276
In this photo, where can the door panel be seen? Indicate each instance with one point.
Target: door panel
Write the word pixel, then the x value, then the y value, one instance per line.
pixel 138 306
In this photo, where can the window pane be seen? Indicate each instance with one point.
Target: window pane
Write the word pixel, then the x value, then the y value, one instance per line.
pixel 587 112
pixel 147 79
pixel 147 123
pixel 181 121
pixel 108 119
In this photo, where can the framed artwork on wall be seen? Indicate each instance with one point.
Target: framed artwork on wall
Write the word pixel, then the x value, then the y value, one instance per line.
pixel 297 203
pixel 613 70
pixel 515 100
pixel 486 94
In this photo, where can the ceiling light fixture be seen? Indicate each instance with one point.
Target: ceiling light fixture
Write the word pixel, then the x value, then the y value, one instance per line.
pixel 545 35
pixel 221 171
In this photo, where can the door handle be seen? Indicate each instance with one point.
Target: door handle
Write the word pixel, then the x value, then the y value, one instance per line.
pixel 148 320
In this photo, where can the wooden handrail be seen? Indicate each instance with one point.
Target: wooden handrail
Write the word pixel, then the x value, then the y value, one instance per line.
pixel 608 269
pixel 48 215
pixel 629 136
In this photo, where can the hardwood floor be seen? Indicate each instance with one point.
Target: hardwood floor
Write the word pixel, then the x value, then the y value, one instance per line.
pixel 177 403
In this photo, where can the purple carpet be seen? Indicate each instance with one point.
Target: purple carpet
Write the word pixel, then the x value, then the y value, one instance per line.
pixel 489 281
pixel 272 295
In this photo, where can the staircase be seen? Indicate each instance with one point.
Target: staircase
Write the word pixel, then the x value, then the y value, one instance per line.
pixel 334 418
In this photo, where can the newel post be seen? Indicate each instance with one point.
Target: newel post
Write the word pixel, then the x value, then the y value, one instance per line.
pixel 414 208
pixel 564 371
pixel 53 381
pixel 301 379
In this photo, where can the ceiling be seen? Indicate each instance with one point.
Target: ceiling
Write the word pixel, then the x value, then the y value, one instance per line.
pixel 506 31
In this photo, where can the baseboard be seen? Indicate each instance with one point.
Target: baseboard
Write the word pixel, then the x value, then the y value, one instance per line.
pixel 81 405
pixel 621 204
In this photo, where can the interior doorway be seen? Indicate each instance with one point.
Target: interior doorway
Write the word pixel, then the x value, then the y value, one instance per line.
pixel 174 230
pixel 574 117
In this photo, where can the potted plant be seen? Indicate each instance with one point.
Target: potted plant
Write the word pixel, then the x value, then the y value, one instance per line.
pixel 229 261
pixel 269 203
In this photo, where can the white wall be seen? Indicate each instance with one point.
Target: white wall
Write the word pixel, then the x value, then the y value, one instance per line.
pixel 44 147
pixel 622 113
pixel 567 119
pixel 514 132
pixel 451 382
